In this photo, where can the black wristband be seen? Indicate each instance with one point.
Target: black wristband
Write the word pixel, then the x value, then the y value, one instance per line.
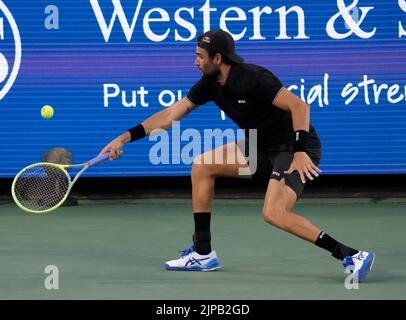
pixel 300 143
pixel 137 132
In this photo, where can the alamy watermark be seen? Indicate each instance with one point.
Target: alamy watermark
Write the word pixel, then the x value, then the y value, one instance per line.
pixel 52 20
pixel 240 147
pixel 351 281
pixel 51 282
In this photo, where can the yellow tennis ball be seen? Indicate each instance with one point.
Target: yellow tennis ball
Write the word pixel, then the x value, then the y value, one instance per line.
pixel 47 112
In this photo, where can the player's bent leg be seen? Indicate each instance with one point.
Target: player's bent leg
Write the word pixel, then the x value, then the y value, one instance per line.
pixel 279 201
pixel 225 161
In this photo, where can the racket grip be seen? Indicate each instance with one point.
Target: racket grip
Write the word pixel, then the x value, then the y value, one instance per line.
pixel 99 159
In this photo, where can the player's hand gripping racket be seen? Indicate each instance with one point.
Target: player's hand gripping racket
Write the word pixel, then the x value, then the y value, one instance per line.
pixel 42 187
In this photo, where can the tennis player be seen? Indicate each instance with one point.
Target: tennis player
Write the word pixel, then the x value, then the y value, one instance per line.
pixel 288 151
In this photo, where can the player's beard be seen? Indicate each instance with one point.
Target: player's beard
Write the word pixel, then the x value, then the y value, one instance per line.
pixel 212 76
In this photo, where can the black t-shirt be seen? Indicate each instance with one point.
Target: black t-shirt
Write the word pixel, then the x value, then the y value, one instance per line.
pixel 247 99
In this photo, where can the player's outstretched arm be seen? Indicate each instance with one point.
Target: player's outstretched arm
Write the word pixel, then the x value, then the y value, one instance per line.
pixel 160 120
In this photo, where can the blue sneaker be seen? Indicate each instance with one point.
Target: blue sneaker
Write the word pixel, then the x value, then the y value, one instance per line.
pixel 190 260
pixel 359 264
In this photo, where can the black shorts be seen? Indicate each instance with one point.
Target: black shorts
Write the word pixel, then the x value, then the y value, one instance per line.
pixel 271 163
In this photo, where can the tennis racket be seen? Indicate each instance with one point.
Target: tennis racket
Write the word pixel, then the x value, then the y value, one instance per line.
pixel 43 187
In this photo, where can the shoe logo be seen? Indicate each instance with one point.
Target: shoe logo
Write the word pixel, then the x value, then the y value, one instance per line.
pixel 275 173
pixel 192 261
pixel 360 256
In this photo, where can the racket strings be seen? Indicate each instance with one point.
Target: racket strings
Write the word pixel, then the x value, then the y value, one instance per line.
pixel 41 187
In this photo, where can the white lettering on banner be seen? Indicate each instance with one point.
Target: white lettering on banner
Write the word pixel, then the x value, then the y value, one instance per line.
pixel 349 89
pixel 301 23
pixel 206 15
pixel 351 24
pixel 351 15
pixel 402 5
pixel 318 92
pixel 118 12
pixel 355 16
pixel 107 94
pixel 392 94
pixel 147 29
pixel 168 93
pixel 368 89
pixel 185 24
pixel 164 94
pixel 3 61
pixel 5 65
pixel 257 12
pixel 1 29
pixel 160 15
pixel 112 90
pixel 240 17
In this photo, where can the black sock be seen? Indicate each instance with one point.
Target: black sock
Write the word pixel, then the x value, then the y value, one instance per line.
pixel 202 236
pixel 337 249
